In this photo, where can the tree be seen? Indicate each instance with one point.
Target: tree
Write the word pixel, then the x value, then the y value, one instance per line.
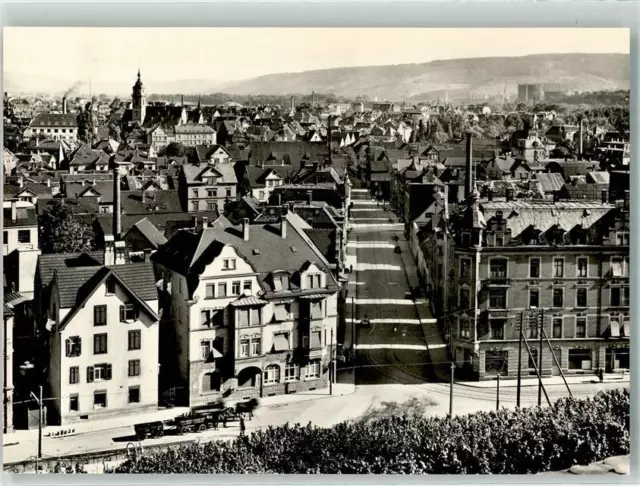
pixel 61 231
pixel 85 124
pixel 175 149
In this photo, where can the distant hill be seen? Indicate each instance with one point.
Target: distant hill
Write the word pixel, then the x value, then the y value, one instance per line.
pixel 478 76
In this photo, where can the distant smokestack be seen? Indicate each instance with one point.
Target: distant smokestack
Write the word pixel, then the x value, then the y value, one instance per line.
pixel 64 105
pixel 581 137
pixel 313 99
pixel 469 168
pixel 117 218
pixel 293 104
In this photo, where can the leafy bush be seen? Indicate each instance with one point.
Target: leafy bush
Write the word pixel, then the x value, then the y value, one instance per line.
pixel 571 431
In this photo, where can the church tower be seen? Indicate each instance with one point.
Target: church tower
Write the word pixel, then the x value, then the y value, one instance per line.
pixel 139 99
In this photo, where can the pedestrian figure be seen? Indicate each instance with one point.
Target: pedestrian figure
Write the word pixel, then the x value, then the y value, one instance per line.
pixel 351 268
pixel 224 419
pixel 243 427
pixel 601 374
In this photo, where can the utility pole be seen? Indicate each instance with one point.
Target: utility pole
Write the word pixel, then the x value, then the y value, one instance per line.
pixel 331 369
pixel 541 319
pixel 498 394
pixel 40 415
pixel 451 390
pixel 519 360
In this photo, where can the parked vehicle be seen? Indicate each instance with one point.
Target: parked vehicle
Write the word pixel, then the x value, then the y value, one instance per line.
pixel 397 249
pixel 149 430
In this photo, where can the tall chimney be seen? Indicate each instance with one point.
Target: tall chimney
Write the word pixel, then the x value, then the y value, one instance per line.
pixel 313 99
pixel 283 227
pixel 109 250
pixel 468 183
pixel 293 104
pixel 14 210
pixel 245 229
pixel 581 138
pixel 117 217
pixel 64 105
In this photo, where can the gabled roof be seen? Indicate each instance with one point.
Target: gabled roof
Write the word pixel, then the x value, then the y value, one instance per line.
pixel 150 232
pixel 550 182
pixel 204 152
pixel 54 120
pixel 194 173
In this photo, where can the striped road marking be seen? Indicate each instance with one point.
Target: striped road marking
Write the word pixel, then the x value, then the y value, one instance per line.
pixel 370 244
pixel 364 202
pixel 363 267
pixel 379 226
pixel 400 346
pixel 360 190
pixel 394 321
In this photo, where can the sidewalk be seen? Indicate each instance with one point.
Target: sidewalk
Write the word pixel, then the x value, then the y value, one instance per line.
pixel 339 389
pixel 549 381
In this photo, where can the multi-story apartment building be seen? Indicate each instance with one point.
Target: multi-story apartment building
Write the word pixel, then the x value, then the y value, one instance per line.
pixel 101 314
pixel 20 226
pixel 192 134
pixel 253 308
pixel 207 187
pixel 56 126
pixel 570 261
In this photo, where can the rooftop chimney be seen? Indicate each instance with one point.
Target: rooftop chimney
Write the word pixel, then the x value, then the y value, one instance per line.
pixel 605 196
pixel 245 229
pixel 309 197
pixel 205 222
pixel 468 182
pixel 283 227
pixel 64 105
pixel 117 217
pixel 147 255
pixel 14 210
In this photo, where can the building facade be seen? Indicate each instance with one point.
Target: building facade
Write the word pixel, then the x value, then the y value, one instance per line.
pixel 207 187
pixel 253 311
pixel 564 266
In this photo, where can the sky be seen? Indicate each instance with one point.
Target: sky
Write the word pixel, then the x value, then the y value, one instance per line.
pixel 113 55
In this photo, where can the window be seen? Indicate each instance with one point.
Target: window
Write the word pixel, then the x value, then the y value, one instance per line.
pixel 210 292
pixel 498 268
pixel 495 362
pixel 128 313
pixel 498 299
pixel 244 347
pixel 614 299
pixel 24 236
pixel 534 268
pixel 211 193
pixel 134 367
pixel 134 394
pixel 312 370
pixel 99 344
pixel 74 404
pixel 583 265
pixel 533 361
pixel 74 375
pixel 243 317
pixel 581 327
pixel 558 267
pixel 98 372
pixel 261 197
pixel 534 298
pixel 211 317
pixel 73 346
pixel 111 286
pixel 499 239
pixel 581 297
pixel 464 298
pixel 316 310
pixel 497 328
pixel 194 205
pixel 579 359
pixel 100 399
pixel 617 267
pixel 625 296
pixel 532 330
pixel 211 382
pixel 272 374
pixel 557 327
pixel 465 268
pixel 100 315
pixel 229 264
pixel 195 193
pixel 235 288
pixel 211 206
pixel 316 340
pixel 281 312
pixel 464 327
pixel 291 372
pixel 246 285
pixel 134 340
pixel 229 192
pixel 622 238
pixel 558 297
pixel 222 290
pixel 255 346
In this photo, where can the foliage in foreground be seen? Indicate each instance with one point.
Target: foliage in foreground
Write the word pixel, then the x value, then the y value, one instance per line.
pixel 61 231
pixel 529 440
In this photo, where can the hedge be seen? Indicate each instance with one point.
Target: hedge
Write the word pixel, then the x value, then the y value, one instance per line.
pixel 529 440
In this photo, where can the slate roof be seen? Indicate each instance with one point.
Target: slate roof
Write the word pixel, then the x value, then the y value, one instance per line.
pixel 204 152
pixel 550 182
pixel 188 253
pixel 599 177
pixel 193 173
pixel 85 155
pixel 193 128
pixel 150 232
pixel 294 151
pixel 520 215
pixel 26 216
pixel 54 120
pixel 325 241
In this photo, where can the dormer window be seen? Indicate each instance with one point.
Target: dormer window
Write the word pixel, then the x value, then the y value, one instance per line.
pixel 111 286
pixel 622 238
pixel 499 239
pixel 314 281
pixel 280 282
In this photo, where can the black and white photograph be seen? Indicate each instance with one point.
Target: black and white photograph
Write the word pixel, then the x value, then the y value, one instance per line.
pixel 316 251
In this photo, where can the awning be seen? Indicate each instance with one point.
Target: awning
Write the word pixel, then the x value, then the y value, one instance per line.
pixel 626 328
pixel 248 301
pixel 215 353
pixel 14 298
pixel 614 329
pixel 281 312
pixel 280 343
pixel 314 296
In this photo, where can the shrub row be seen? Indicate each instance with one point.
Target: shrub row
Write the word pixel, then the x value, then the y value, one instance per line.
pixel 530 440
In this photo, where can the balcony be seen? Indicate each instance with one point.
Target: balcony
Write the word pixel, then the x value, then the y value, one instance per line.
pixel 497 282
